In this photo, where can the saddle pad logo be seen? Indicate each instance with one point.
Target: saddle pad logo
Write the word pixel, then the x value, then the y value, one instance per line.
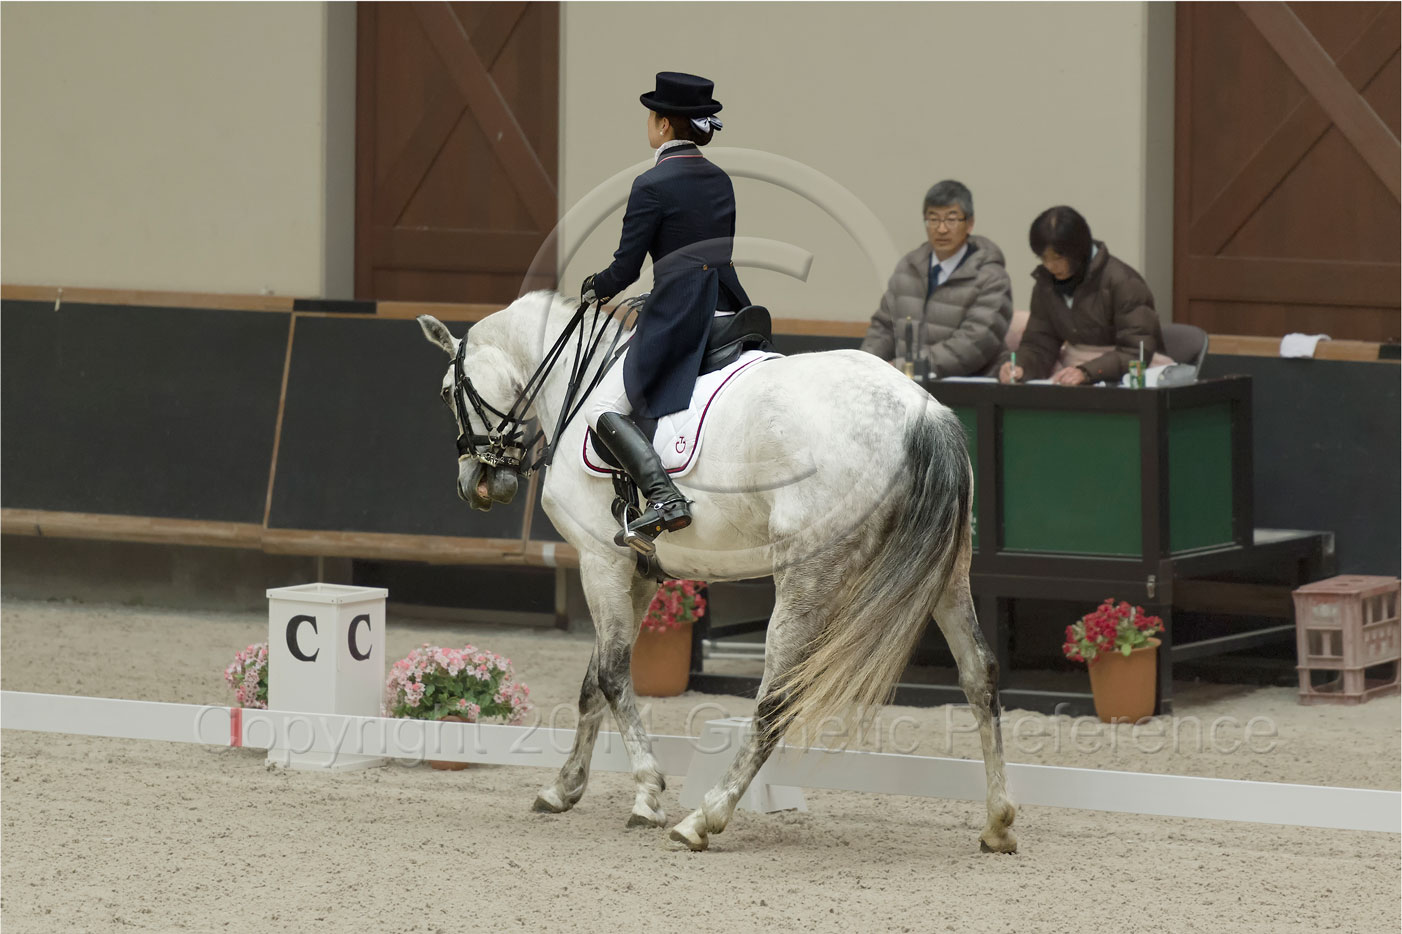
pixel 678 438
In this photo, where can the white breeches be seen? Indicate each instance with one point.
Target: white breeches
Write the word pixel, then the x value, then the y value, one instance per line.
pixel 609 396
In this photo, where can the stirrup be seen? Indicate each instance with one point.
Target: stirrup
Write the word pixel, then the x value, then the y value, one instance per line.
pixel 647 547
pixel 641 533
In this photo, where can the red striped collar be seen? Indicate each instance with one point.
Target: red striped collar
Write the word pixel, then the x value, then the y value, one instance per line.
pixel 677 149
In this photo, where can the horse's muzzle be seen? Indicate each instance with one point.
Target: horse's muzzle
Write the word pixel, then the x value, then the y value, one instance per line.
pixel 502 485
pixel 472 485
pixel 480 486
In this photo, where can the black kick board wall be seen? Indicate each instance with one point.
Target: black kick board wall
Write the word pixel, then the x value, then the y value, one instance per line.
pixel 142 411
pixel 367 443
pixel 1326 452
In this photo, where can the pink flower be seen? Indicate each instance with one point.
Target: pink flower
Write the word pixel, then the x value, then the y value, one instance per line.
pixel 460 677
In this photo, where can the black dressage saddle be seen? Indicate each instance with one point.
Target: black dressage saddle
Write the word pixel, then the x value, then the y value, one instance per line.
pixel 747 329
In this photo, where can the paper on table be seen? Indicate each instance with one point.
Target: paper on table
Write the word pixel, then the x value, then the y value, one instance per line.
pixel 1300 345
pixel 968 379
pixel 1151 376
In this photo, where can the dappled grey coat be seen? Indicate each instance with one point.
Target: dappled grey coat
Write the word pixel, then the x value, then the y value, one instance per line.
pixel 958 328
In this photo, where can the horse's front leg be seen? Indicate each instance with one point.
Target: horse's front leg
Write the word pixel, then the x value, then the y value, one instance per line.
pixel 617 601
pixel 568 787
pixel 616 638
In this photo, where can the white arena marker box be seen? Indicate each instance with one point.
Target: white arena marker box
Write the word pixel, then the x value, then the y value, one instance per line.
pixel 326 654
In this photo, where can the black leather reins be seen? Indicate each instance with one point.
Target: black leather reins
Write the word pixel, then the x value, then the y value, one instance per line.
pixel 504 447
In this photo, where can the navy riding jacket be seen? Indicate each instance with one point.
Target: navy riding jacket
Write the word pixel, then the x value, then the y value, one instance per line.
pixel 681 212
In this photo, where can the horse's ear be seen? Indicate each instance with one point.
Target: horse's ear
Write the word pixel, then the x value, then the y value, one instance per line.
pixel 437 333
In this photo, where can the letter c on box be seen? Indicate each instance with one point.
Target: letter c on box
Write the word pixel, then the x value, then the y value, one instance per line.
pixel 292 645
pixel 350 638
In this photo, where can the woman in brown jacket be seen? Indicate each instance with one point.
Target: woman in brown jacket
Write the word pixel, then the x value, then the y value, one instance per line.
pixel 1091 314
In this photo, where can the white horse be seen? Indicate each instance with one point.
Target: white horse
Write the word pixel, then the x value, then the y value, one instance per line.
pixel 832 472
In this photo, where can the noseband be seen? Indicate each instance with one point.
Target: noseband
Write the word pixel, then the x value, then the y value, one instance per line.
pixel 501 446
pixel 499 442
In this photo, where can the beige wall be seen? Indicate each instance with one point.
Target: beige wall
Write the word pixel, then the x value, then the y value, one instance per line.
pixel 204 147
pixel 1030 105
pixel 210 147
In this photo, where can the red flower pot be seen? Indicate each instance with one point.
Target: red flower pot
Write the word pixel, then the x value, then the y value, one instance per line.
pixel 662 662
pixel 1123 686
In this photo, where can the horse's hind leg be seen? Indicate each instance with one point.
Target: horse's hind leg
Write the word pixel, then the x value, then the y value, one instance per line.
pixel 719 804
pixel 978 676
pixel 799 614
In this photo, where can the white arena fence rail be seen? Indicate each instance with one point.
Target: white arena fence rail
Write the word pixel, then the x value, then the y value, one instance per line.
pixel 702 760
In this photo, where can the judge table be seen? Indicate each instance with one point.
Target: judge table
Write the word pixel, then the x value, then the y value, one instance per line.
pixel 1086 493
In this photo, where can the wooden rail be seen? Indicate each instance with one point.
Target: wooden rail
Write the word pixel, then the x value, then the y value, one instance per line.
pixel 446 311
pixel 1227 344
pixel 433 549
pixel 1245 346
pixel 60 294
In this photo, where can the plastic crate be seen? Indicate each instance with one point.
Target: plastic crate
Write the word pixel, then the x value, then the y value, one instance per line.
pixel 1348 639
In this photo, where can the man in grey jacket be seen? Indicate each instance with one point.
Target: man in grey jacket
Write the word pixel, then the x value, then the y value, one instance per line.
pixel 949 302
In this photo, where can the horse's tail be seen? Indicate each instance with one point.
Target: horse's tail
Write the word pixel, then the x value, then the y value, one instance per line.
pixel 924 539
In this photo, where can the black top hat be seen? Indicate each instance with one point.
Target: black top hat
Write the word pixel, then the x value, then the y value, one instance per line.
pixel 681 95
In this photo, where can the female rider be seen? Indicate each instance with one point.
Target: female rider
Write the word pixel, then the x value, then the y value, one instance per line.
pixel 682 213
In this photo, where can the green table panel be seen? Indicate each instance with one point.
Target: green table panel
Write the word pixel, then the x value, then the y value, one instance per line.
pixel 1071 482
pixel 1200 477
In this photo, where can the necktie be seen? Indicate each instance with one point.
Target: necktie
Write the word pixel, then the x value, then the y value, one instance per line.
pixel 934 276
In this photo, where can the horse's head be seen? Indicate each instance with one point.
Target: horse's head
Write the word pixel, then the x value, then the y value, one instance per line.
pixel 478 389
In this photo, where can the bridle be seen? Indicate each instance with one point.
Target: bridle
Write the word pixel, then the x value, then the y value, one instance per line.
pixel 501 446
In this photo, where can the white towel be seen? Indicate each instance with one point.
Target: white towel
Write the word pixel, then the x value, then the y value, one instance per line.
pixel 1300 345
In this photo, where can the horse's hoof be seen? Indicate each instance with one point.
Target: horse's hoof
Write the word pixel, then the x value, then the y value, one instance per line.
pixel 548 803
pixel 1005 842
pixel 693 842
pixel 646 820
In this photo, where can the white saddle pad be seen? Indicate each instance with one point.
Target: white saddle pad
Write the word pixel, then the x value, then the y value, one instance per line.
pixel 678 438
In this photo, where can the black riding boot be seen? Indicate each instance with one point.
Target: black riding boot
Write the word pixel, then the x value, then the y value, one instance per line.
pixel 666 510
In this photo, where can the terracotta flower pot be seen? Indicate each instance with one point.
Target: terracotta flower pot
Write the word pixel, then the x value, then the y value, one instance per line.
pixel 1123 686
pixel 445 765
pixel 662 662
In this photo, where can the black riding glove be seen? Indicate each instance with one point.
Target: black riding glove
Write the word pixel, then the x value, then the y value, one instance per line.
pixel 587 295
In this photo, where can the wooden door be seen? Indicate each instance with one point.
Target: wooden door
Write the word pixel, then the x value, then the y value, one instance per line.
pixel 1287 167
pixel 457 112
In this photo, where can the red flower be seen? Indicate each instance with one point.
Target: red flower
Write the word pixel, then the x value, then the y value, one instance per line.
pixel 1110 627
pixel 675 604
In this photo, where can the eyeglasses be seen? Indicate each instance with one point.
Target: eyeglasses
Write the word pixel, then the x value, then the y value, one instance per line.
pixel 949 221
